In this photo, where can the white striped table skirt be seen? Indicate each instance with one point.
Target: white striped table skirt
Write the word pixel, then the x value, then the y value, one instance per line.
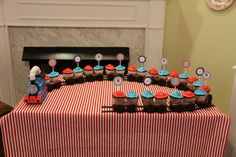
pixel 70 123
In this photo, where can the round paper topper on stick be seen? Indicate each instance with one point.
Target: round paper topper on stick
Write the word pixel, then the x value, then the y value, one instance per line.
pixel 175 81
pixel 77 59
pixel 52 62
pixel 120 57
pixel 186 64
pixel 142 59
pixel 98 57
pixel 200 71
pixel 164 61
pixel 147 81
pixel 118 80
pixel 206 75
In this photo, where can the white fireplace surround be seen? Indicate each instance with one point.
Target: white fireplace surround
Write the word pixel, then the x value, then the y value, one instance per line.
pixel 147 14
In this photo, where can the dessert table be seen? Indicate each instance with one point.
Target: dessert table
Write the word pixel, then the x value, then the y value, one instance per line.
pixel 71 123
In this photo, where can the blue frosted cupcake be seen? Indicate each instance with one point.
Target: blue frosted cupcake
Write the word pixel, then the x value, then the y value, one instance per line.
pixel 55 83
pixel 147 98
pixel 78 72
pixel 162 77
pixel 120 70
pixel 141 73
pixel 176 100
pixel 183 81
pixel 201 98
pixel 54 76
pixel 196 85
pixel 98 70
pixel 148 101
pixel 132 101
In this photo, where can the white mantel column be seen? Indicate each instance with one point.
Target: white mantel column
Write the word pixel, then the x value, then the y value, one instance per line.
pixel 155 33
pixel 7 93
pixel 231 145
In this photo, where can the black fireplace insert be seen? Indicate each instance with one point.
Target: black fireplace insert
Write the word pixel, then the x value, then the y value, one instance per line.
pixel 65 56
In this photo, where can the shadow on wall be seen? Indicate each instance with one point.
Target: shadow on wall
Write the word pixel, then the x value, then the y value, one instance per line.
pixel 229 149
pixel 179 39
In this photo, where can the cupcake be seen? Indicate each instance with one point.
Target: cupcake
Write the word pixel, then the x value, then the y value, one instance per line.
pixel 190 85
pixel 147 99
pixel 47 79
pixel 120 70
pixel 160 102
pixel 98 70
pixel 188 101
pixel 132 71
pixel 209 96
pixel 162 77
pixel 153 73
pixel 169 78
pixel 118 101
pixel 202 99
pixel 55 83
pixel 54 76
pixel 110 70
pixel 88 73
pixel 132 101
pixel 197 84
pixel 183 81
pixel 141 73
pixel 78 72
pixel 68 76
pixel 176 100
pixel 205 88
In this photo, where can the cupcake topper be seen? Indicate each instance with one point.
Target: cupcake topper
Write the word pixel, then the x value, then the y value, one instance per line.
pixel 52 63
pixel 120 57
pixel 175 82
pixel 164 61
pixel 77 59
pixel 98 57
pixel 206 76
pixel 118 81
pixel 147 81
pixel 142 60
pixel 186 64
pixel 199 72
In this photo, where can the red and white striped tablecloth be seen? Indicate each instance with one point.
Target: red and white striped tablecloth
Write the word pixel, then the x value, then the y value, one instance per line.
pixel 70 123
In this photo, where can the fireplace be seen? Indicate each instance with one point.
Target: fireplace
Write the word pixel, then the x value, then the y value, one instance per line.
pixel 136 24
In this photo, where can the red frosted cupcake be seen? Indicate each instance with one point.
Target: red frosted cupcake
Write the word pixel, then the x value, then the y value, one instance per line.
pixel 110 71
pixel 132 72
pixel 188 101
pixel 190 85
pixel 68 76
pixel 153 72
pixel 172 75
pixel 205 88
pixel 67 73
pixel 160 101
pixel 118 101
pixel 88 72
pixel 47 79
